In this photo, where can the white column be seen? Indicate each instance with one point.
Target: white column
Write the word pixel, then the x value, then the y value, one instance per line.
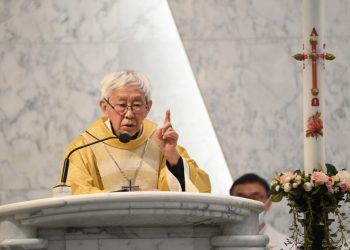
pixel 313 20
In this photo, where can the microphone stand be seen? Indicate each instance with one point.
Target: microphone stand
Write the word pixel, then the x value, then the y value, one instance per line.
pixel 63 189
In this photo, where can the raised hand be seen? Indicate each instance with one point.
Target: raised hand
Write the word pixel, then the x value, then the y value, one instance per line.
pixel 167 140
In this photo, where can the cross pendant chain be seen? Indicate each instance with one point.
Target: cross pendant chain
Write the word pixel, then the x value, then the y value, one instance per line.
pixel 131 182
pixel 131 187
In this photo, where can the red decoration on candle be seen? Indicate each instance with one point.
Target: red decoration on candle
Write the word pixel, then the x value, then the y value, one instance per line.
pixel 315 102
pixel 314 126
pixel 314 56
pixel 313 32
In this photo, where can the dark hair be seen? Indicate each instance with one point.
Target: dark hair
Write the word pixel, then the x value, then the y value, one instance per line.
pixel 251 178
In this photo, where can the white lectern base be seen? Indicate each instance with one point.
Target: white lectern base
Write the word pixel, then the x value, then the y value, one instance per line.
pixel 136 220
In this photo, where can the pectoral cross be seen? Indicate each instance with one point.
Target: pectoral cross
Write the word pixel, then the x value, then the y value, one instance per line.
pixel 131 187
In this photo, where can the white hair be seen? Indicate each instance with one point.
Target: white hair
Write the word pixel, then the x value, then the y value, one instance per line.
pixel 122 78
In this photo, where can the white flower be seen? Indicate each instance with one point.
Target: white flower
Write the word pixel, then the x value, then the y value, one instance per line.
pixel 277 188
pixel 274 183
pixel 295 185
pixel 307 186
pixel 287 187
pixel 344 176
pixel 335 178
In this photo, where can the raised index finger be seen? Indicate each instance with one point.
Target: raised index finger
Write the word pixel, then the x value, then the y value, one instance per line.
pixel 167 116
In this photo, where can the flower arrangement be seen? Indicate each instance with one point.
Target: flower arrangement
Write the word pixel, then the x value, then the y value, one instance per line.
pixel 311 198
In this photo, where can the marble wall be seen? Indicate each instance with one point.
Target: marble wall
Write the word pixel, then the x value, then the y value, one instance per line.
pixel 240 52
pixel 54 53
pixel 52 58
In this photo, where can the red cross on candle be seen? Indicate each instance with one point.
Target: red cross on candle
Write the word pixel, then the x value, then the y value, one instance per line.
pixel 314 56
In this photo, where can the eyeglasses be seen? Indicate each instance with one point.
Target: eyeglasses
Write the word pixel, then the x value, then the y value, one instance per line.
pixel 122 108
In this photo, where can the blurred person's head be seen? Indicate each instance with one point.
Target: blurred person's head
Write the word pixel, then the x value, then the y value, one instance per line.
pixel 252 186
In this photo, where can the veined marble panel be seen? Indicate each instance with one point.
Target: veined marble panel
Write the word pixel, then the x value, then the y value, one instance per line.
pixel 50 99
pixel 53 55
pixel 56 21
pixel 259 112
pixel 337 103
pixel 241 57
pixel 236 19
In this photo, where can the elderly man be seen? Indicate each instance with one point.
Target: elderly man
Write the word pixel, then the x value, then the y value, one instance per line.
pixel 144 158
pixel 252 186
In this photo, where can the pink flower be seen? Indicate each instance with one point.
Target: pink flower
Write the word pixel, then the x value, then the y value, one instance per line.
pixel 287 177
pixel 344 187
pixel 314 126
pixel 319 178
pixel 314 123
pixel 330 182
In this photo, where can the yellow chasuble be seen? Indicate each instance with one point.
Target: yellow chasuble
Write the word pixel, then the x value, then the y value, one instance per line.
pixel 109 165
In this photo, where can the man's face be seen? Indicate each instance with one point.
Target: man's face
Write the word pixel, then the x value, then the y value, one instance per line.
pixel 129 122
pixel 254 191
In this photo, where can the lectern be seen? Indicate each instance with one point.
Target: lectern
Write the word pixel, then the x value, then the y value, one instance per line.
pixel 133 220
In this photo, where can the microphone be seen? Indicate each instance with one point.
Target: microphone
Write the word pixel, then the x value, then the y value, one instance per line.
pixel 124 138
